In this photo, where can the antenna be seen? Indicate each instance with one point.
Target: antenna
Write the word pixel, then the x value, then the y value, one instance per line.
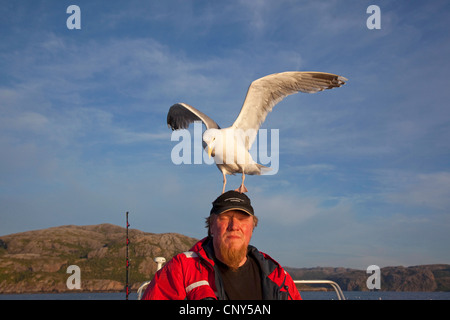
pixel 128 263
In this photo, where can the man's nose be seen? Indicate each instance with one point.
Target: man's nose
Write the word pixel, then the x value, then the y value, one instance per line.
pixel 233 224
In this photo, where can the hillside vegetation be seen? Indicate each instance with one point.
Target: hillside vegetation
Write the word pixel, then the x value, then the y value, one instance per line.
pixel 434 277
pixel 37 261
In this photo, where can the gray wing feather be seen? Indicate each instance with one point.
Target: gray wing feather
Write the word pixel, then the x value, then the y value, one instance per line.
pixel 264 93
pixel 181 115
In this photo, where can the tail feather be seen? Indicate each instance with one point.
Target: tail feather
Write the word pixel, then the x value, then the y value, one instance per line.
pixel 263 169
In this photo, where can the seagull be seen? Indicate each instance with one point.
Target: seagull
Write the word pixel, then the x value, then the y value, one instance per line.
pixel 230 146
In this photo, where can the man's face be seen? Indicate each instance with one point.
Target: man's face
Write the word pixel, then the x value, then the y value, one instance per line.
pixel 232 232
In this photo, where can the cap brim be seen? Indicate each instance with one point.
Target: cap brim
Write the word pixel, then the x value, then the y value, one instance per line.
pixel 233 208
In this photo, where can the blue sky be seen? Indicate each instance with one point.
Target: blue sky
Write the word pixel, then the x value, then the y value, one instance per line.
pixel 364 170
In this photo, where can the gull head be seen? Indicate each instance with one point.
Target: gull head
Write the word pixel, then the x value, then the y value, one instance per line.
pixel 210 137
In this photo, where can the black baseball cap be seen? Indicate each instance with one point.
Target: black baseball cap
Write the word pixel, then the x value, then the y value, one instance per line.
pixel 232 200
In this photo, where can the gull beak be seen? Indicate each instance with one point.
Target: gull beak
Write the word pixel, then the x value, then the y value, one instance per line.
pixel 209 151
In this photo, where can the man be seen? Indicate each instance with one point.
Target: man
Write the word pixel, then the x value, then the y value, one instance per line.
pixel 223 265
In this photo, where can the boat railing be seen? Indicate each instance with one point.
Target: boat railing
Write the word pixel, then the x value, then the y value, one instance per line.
pixel 333 284
pixel 160 261
pixel 141 289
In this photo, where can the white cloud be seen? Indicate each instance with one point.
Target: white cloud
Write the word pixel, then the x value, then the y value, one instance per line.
pixel 314 168
pixel 419 190
pixel 285 209
pixel 26 121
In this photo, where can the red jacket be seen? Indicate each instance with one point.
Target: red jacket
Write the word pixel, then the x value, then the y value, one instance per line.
pixel 192 275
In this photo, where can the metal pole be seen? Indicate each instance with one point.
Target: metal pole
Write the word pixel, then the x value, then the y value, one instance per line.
pixel 128 263
pixel 335 286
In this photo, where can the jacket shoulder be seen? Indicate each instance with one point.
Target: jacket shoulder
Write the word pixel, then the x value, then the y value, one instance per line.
pixel 184 258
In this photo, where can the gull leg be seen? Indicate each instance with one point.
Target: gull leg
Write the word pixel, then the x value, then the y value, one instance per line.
pixel 224 182
pixel 242 188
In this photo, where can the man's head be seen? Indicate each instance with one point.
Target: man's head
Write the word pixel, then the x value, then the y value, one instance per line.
pixel 230 224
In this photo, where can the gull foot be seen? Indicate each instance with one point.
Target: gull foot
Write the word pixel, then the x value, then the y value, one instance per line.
pixel 241 189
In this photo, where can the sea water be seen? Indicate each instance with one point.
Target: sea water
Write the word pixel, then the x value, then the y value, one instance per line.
pixel 375 295
pixel 306 295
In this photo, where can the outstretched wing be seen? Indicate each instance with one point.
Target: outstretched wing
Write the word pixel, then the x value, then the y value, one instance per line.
pixel 264 93
pixel 181 115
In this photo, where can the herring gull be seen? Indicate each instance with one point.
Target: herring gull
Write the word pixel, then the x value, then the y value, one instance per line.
pixel 230 146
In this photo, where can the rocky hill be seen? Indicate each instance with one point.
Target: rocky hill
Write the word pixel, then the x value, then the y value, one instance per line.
pixel 435 277
pixel 37 261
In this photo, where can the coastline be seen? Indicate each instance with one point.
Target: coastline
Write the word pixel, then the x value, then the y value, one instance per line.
pixel 307 296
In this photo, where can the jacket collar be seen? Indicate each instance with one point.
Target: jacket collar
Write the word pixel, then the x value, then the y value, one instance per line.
pixel 206 250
